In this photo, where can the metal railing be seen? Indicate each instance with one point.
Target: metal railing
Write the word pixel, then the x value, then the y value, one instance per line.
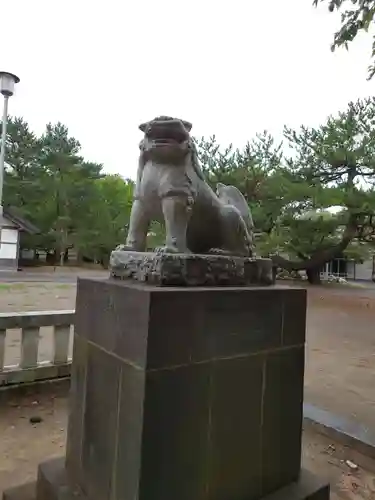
pixel 21 337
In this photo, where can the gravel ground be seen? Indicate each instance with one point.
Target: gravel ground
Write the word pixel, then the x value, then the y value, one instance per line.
pixel 19 455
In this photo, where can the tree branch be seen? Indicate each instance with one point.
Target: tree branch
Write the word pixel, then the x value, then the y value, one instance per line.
pixel 320 257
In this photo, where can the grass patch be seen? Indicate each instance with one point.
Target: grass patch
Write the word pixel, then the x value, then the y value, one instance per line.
pixel 6 287
pixel 22 286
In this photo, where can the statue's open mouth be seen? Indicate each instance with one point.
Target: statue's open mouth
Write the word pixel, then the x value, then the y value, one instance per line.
pixel 171 134
pixel 165 142
pixel 172 139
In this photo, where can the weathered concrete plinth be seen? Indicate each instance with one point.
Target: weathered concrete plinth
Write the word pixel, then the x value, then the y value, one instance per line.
pixel 184 393
pixel 167 269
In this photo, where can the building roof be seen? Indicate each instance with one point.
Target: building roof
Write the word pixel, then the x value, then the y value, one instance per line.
pixel 21 223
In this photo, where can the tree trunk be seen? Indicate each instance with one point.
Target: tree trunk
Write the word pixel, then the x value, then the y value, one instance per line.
pixel 313 276
pixel 313 264
pixel 79 259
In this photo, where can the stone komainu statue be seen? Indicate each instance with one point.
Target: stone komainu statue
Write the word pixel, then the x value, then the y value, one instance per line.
pixel 171 188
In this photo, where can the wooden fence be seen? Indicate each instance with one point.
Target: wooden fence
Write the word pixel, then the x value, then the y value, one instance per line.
pixel 21 340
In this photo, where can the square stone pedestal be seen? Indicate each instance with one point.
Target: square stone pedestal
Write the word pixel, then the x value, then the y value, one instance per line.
pixel 184 394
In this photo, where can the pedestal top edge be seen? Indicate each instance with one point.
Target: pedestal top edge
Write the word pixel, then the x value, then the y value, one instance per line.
pixel 136 285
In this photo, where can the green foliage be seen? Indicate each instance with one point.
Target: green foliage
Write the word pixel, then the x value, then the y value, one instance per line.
pixel 339 151
pixel 356 16
pixel 69 182
pixel 108 217
pixel 307 235
pixel 336 160
pixel 22 165
pixel 359 251
pixel 69 199
pixel 256 171
pixel 156 235
pixel 291 198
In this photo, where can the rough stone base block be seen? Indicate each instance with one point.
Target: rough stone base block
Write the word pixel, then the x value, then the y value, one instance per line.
pixel 190 269
pixel 53 485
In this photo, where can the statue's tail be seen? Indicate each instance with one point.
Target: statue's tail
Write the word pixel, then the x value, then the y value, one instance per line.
pixel 230 195
pixel 250 240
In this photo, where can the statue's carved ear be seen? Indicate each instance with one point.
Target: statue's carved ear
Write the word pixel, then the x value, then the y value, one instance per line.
pixel 187 125
pixel 143 126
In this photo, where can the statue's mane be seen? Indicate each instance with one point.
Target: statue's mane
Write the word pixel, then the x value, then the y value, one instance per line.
pixel 163 118
pixel 195 160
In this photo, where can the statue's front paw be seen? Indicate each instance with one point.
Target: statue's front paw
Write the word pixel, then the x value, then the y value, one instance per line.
pixel 170 249
pixel 126 248
pixel 166 249
pixel 217 251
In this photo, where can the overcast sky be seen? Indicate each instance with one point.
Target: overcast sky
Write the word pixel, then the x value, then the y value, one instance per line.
pixel 232 68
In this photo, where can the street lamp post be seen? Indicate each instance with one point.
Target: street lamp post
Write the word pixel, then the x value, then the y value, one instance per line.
pixel 7 82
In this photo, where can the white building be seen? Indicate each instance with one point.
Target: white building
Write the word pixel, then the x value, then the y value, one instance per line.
pixel 349 269
pixel 361 271
pixel 11 227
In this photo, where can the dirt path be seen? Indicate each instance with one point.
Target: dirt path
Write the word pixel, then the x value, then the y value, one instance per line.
pixel 328 460
pixel 340 354
pixel 16 297
pixel 24 445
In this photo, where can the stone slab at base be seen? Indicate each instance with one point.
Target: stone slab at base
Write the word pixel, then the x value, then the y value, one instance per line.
pixel 165 269
pixel 308 487
pixel 53 485
pixel 23 492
